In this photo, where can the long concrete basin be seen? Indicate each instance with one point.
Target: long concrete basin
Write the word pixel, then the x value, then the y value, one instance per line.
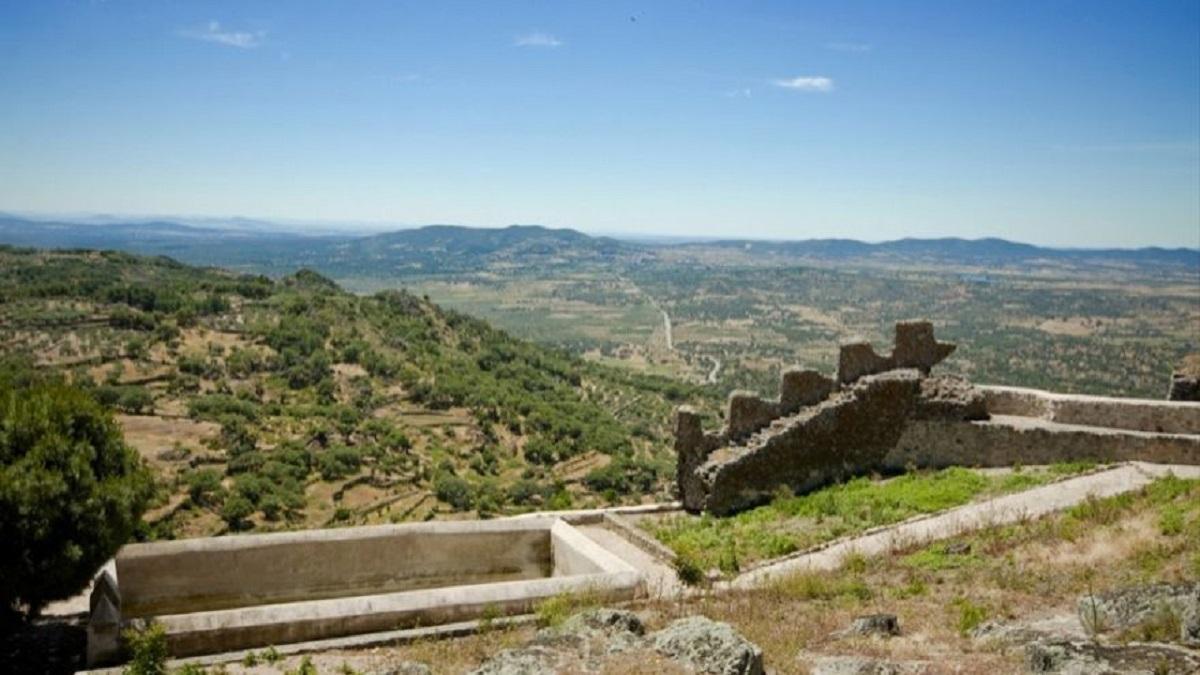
pixel 237 592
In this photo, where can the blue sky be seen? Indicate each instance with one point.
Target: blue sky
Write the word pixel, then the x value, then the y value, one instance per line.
pixel 1066 123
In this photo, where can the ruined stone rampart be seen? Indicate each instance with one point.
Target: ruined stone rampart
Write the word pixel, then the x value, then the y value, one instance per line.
pixel 886 412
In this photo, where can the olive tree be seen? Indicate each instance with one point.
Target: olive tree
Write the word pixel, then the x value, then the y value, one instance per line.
pixel 71 491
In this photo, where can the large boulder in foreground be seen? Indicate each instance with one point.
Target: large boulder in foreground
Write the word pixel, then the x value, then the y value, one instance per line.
pixel 613 640
pixel 1146 612
pixel 707 646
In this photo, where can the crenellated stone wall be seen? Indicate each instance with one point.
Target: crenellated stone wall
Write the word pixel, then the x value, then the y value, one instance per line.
pixel 887 412
pixel 819 429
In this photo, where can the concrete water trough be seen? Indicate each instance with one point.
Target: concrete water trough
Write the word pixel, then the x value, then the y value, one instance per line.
pixel 239 592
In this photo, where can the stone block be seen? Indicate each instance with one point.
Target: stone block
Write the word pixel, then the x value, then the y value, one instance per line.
pixel 916 347
pixel 748 413
pixel 858 359
pixel 800 388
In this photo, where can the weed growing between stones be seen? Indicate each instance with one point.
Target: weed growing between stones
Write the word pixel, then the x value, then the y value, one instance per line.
pixel 553 611
pixel 147 650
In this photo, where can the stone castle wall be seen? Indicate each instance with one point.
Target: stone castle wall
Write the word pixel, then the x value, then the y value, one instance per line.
pixel 886 412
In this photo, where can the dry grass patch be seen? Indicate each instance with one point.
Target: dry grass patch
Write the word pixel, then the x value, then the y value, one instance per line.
pixel 939 592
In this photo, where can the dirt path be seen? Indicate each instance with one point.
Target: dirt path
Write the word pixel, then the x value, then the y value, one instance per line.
pixel 711 378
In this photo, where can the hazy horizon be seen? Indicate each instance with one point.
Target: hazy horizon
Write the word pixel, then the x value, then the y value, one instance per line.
pixel 1072 124
pixel 352 228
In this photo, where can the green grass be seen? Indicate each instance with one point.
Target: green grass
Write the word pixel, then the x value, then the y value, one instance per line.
pixel 936 558
pixel 791 523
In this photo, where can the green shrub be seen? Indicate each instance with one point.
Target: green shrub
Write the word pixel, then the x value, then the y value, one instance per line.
pixel 204 487
pixel 338 462
pixel 970 615
pixel 623 475
pixel 236 510
pixel 455 491
pixel 147 650
pixel 554 610
pixel 688 570
pixel 71 491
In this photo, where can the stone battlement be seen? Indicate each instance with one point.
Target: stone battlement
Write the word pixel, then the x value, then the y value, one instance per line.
pixel 888 413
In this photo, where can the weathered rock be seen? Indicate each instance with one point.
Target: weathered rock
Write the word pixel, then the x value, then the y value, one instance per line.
pixel 595 633
pixel 604 620
pixel 1051 628
pixel 1129 608
pixel 533 660
pixel 957 548
pixel 408 668
pixel 885 625
pixel 608 640
pixel 708 646
pixel 1189 625
pixel 1090 658
pixel 860 665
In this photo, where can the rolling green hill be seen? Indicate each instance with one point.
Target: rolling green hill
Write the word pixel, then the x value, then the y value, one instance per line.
pixel 290 403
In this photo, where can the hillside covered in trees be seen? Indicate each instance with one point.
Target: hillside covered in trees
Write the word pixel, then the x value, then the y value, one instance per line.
pixel 271 404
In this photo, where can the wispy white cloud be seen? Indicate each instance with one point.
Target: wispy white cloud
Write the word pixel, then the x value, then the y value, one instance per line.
pixel 852 47
pixel 739 93
pixel 537 39
pixel 814 83
pixel 213 32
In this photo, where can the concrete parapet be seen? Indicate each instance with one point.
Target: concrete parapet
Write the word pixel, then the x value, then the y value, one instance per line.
pixel 1133 414
pixel 1007 440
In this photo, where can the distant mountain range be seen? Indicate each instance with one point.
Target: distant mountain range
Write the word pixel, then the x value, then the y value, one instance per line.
pixel 449 249
pixel 954 249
